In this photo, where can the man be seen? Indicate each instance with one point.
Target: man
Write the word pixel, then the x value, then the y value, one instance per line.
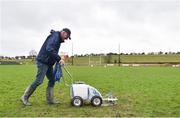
pixel 47 57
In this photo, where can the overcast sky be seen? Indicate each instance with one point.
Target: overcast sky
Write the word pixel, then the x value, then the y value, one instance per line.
pixel 98 26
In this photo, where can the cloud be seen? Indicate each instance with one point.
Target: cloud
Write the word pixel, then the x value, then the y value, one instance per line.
pixel 97 26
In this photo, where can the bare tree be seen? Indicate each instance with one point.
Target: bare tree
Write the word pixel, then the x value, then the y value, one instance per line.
pixel 32 54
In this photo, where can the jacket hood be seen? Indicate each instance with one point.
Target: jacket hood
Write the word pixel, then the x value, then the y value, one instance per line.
pixel 52 31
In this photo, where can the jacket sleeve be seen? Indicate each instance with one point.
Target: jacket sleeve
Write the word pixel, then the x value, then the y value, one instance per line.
pixel 50 48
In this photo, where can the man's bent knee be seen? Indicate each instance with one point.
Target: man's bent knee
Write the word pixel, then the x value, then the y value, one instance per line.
pixel 36 83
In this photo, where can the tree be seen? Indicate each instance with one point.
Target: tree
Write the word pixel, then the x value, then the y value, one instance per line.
pixel 160 53
pixel 32 54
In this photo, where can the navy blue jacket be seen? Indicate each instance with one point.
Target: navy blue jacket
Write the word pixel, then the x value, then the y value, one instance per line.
pixel 48 53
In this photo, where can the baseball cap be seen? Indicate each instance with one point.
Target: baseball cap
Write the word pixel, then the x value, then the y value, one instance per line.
pixel 68 31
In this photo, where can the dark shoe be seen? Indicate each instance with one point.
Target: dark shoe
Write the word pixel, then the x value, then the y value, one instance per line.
pixel 28 92
pixel 25 101
pixel 50 96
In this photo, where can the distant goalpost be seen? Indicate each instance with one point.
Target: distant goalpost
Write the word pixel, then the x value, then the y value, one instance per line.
pixel 95 62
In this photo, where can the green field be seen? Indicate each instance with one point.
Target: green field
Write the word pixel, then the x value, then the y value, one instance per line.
pixel 127 59
pixel 95 60
pixel 142 91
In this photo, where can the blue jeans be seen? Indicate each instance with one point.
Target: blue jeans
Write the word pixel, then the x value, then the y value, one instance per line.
pixel 42 70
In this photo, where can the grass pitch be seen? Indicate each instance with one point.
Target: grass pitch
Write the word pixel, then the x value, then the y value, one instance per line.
pixel 142 91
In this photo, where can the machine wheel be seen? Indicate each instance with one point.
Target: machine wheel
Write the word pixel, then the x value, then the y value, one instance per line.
pixel 96 101
pixel 77 101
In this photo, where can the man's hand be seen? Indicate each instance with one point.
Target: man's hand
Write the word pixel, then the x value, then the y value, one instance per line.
pixel 62 62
